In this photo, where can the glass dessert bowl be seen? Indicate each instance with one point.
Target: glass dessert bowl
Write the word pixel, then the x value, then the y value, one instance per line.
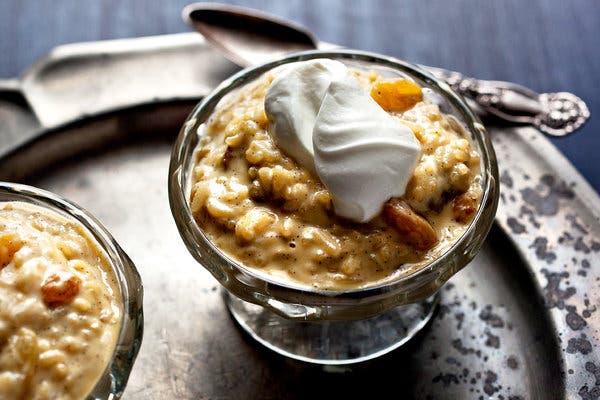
pixel 72 300
pixel 313 266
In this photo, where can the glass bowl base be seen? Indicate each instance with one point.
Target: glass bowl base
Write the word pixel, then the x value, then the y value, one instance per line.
pixel 332 342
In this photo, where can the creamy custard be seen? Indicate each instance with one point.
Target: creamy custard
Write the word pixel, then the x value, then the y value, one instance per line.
pixel 267 212
pixel 60 306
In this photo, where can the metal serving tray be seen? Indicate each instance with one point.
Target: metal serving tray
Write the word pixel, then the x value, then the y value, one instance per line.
pixel 94 123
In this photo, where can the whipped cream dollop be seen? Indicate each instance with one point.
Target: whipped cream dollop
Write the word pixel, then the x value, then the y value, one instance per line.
pixel 292 103
pixel 322 118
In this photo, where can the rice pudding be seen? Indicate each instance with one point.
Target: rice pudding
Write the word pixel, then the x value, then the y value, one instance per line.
pixel 61 306
pixel 271 213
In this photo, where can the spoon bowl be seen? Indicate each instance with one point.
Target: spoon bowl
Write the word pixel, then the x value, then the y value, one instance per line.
pixel 247 37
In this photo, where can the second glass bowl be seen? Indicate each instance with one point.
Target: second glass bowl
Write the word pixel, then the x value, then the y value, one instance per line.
pixel 113 380
pixel 332 326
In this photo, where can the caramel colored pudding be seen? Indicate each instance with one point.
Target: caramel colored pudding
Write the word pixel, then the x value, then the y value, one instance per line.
pixel 60 306
pixel 270 214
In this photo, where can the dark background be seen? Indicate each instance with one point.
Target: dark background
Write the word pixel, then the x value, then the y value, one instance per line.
pixel 546 45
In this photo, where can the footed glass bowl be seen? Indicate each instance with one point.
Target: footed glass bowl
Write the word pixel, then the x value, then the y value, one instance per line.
pixel 113 380
pixel 332 326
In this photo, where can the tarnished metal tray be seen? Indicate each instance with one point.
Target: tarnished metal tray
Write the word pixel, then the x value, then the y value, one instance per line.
pixel 95 122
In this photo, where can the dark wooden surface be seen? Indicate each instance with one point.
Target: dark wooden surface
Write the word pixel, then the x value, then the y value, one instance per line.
pixel 546 45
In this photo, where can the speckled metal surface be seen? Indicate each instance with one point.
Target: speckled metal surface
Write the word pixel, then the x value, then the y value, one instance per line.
pixel 520 322
pixel 553 217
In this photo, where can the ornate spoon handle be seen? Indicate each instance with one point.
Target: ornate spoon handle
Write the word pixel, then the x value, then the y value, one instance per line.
pixel 557 114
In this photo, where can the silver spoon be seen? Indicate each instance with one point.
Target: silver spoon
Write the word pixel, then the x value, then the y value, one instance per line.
pixel 248 37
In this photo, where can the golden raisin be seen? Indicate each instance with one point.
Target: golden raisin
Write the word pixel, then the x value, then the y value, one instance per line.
pixel 464 207
pixel 414 230
pixel 9 245
pixel 396 95
pixel 60 288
